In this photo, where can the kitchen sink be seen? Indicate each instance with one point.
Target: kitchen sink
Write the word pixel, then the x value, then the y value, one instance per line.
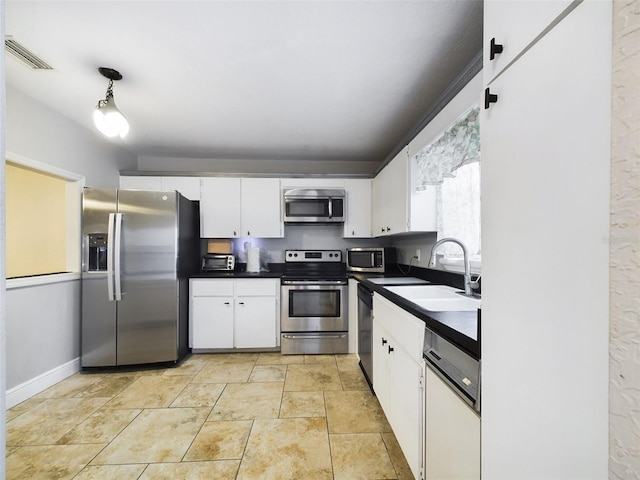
pixel 436 298
pixel 397 280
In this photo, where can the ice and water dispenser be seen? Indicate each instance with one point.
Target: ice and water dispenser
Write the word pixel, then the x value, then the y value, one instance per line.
pixel 97 252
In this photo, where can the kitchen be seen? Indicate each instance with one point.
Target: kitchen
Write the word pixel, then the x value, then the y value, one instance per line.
pixel 23 111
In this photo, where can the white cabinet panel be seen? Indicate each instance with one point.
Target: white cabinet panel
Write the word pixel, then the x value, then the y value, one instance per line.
pixel 312 182
pixel 212 322
pixel 189 187
pixel 452 433
pixel 261 201
pixel 141 183
pixel 546 167
pixel 220 207
pixel 255 322
pixel 390 190
pixel 358 200
pixel 239 313
pixel 515 26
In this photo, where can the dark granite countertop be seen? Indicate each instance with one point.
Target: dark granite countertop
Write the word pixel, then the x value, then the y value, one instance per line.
pixel 461 328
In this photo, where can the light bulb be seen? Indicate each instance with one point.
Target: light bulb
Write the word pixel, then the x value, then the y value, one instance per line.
pixel 109 121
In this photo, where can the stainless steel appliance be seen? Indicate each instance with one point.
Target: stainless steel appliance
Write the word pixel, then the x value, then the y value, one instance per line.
pixel 314 304
pixel 314 206
pixel 458 369
pixel 365 330
pixel 370 259
pixel 217 261
pixel 138 250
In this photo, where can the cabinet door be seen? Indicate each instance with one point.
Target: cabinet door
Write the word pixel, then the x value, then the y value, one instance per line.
pixel 407 405
pixel 189 187
pixel 358 224
pixel 255 322
pixel 515 26
pixel 261 200
pixel 381 368
pixel 452 433
pixel 141 183
pixel 390 205
pixel 548 134
pixel 220 207
pixel 212 322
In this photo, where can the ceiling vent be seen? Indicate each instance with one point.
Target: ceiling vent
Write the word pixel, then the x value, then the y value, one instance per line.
pixel 24 55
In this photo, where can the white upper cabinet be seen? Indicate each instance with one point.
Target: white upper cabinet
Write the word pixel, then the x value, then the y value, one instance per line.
pixel 261 204
pixel 189 187
pixel 358 222
pixel 515 26
pixel 312 182
pixel 141 183
pixel 240 207
pixel 390 190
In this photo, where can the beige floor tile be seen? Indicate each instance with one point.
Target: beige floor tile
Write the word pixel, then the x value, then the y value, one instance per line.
pixel 49 462
pixel 348 362
pixel 155 391
pixel 315 359
pixel 111 472
pixel 156 435
pixel 22 407
pixel 353 380
pixel 311 378
pixel 218 470
pixel 59 415
pixel 277 358
pixel 302 404
pixel 355 412
pixel 9 450
pixel 190 366
pixel 403 471
pixel 248 401
pixel 268 373
pixel 199 395
pixel 70 386
pixel 220 441
pixel 224 372
pixel 360 456
pixel 294 448
pixel 108 386
pixel 101 427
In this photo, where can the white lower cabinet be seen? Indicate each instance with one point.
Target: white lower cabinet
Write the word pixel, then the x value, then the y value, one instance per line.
pixel 238 313
pixel 398 376
pixel 452 433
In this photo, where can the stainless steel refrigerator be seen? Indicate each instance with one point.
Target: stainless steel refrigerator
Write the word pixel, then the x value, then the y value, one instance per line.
pixel 138 251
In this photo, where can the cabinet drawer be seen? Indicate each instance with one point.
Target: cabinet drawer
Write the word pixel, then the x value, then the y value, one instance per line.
pixel 211 288
pixel 406 329
pixel 257 287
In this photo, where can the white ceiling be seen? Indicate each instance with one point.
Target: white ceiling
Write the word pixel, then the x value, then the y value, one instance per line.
pixel 258 80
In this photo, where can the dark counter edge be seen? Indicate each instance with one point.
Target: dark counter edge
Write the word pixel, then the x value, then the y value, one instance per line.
pixel 433 320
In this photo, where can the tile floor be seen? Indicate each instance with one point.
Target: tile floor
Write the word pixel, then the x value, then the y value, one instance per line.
pixel 216 416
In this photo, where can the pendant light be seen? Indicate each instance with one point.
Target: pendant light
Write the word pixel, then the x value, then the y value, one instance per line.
pixel 106 116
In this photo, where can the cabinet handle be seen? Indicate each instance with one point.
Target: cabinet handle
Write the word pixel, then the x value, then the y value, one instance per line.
pixel 382 230
pixel 384 342
pixel 388 229
pixel 390 349
pixel 353 233
pixel 234 233
pixel 227 303
pixel 240 303
pixel 494 48
pixel 489 98
pixel 248 233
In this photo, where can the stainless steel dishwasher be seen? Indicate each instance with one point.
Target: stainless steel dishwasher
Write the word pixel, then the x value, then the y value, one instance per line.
pixel 365 327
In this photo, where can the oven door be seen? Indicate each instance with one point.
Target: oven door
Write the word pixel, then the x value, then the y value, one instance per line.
pixel 314 307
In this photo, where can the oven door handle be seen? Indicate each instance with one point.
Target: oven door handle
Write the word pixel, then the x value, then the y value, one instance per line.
pixel 314 337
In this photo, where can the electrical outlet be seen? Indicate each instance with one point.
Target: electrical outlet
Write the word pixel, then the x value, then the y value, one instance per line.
pixel 418 254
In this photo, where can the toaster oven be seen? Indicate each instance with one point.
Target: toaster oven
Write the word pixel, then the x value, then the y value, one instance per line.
pixel 218 261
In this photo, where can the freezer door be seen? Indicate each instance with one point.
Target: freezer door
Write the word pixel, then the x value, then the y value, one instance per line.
pixel 148 310
pixel 98 332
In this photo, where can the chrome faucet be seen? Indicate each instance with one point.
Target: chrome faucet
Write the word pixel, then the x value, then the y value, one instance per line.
pixel 468 284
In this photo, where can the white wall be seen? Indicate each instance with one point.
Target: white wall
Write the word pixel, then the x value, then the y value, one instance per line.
pixel 43 321
pixel 36 132
pixel 2 256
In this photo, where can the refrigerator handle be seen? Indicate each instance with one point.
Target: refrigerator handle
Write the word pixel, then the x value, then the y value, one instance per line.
pixel 110 251
pixel 116 255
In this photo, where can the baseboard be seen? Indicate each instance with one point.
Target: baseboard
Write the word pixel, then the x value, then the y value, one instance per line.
pixel 28 389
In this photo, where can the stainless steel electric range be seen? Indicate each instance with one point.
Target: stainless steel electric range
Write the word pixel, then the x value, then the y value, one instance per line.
pixel 314 303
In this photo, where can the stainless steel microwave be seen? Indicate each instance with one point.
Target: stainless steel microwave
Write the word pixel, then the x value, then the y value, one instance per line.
pixel 218 261
pixel 370 259
pixel 305 205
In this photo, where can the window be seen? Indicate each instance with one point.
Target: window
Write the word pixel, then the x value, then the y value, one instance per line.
pixel 42 220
